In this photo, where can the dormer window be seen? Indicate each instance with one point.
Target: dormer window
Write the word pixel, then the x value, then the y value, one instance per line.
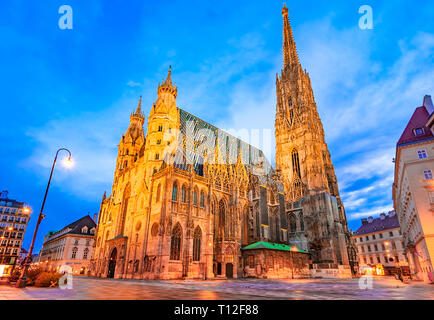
pixel 419 132
pixel 92 231
pixel 84 229
pixel 422 154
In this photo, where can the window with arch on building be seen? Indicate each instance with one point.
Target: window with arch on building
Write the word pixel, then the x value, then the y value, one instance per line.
pixel 422 154
pixel 202 199
pixel 195 196
pixel 175 192
pixel 295 163
pixel 125 200
pixel 184 194
pixel 175 243
pixel 157 156
pixel 85 253
pixel 197 238
pixel 300 216
pixel 74 252
pixel 158 193
pixel 292 223
pixel 154 230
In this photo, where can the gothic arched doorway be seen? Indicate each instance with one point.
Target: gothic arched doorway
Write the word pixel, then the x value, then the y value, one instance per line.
pixel 112 264
pixel 229 270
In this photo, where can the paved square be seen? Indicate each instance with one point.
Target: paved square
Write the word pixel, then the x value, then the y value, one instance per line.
pixel 318 289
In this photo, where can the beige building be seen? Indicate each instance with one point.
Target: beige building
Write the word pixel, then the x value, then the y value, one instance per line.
pixel 72 246
pixel 413 190
pixel 380 244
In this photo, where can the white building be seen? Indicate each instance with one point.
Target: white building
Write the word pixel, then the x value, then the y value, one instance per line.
pixel 379 243
pixel 413 190
pixel 71 246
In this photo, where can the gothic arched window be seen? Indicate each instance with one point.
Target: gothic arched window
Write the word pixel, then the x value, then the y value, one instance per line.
pixel 184 194
pixel 175 243
pixel 175 192
pixel 195 196
pixel 295 163
pixel 125 200
pixel 292 223
pixel 202 199
pixel 158 193
pixel 197 238
pixel 222 218
pixel 300 216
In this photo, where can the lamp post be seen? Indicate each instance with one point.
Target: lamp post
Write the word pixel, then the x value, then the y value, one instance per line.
pixel 21 283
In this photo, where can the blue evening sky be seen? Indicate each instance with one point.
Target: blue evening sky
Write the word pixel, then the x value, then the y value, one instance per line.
pixel 76 88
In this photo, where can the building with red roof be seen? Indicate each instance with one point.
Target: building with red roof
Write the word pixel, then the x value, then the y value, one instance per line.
pixel 413 190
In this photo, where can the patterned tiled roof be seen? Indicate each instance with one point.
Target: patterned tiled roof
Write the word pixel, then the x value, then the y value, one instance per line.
pixel 378 225
pixel 230 146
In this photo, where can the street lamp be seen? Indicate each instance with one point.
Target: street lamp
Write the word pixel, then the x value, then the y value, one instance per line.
pixel 21 283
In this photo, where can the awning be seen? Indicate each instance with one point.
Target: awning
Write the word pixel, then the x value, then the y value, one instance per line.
pixel 272 246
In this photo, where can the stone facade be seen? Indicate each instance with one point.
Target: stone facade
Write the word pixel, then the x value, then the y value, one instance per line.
pixel 303 161
pixel 187 197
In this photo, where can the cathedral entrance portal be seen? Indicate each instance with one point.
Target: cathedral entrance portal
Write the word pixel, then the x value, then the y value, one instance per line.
pixel 112 264
pixel 229 270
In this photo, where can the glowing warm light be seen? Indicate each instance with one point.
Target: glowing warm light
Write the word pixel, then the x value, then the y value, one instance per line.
pixel 294 249
pixel 387 243
pixel 68 163
pixel 26 210
pixel 10 228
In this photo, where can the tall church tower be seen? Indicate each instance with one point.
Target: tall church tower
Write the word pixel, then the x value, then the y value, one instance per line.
pixel 131 142
pixel 302 156
pixel 163 127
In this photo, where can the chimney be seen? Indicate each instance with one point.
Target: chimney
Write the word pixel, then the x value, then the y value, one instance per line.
pixel 4 194
pixel 370 219
pixel 382 216
pixel 95 216
pixel 391 214
pixel 427 103
pixel 364 222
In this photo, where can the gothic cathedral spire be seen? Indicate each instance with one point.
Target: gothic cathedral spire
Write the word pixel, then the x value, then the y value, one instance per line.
pixel 290 55
pixel 302 156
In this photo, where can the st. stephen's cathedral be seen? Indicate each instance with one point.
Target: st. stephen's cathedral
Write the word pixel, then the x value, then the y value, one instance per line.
pixel 190 201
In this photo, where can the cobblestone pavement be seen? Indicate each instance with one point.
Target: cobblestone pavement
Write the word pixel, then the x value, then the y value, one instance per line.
pixel 318 289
